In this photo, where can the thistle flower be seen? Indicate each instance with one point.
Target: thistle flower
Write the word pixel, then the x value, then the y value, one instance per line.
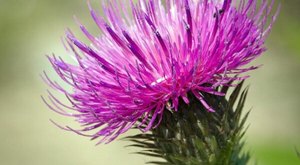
pixel 146 60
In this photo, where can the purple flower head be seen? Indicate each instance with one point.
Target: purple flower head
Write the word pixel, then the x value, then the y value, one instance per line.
pixel 149 58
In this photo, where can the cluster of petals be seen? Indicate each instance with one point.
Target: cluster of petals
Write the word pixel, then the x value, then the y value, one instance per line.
pixel 152 53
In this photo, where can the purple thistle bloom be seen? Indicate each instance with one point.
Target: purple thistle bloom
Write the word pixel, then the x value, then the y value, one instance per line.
pixel 144 63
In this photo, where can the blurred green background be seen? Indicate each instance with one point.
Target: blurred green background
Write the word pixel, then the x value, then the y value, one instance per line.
pixel 30 29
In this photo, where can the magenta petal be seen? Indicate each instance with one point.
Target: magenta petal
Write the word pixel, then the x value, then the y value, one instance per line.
pixel 145 64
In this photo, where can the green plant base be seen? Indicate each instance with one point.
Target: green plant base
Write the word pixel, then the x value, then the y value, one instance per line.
pixel 195 136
